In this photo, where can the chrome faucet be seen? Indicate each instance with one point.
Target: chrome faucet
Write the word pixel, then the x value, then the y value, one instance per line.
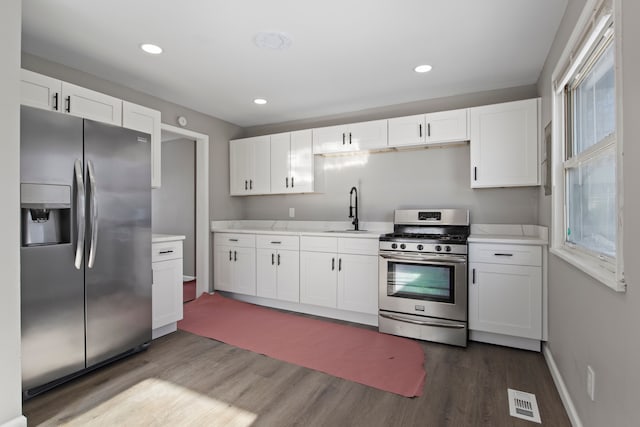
pixel 355 219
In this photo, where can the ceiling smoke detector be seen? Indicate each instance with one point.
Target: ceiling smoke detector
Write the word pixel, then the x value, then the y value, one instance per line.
pixel 273 41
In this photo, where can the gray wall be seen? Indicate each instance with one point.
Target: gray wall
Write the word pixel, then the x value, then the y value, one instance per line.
pixel 10 381
pixel 588 323
pixel 174 204
pixel 435 177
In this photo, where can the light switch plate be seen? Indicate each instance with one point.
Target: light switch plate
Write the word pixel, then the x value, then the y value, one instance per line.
pixel 292 212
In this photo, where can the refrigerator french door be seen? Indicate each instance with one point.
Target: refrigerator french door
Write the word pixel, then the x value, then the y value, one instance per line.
pixel 86 245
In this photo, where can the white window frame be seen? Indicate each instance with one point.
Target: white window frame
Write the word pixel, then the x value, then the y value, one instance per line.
pixel 608 271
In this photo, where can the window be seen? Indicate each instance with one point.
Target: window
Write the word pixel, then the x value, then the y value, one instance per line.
pixel 587 220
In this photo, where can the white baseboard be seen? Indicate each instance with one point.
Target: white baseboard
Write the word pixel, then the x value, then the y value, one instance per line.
pixel 20 421
pixel 572 413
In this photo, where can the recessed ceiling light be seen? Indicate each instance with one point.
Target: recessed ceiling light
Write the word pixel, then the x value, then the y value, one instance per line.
pixel 151 48
pixel 422 68
pixel 259 101
pixel 272 40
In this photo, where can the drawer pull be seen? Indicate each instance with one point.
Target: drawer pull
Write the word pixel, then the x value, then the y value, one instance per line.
pixel 276 243
pixel 233 240
pixel 498 254
pixel 169 251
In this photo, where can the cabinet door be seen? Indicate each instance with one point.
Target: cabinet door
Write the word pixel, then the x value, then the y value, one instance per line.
pixel 301 162
pixel 504 144
pixel 259 165
pixel 447 126
pixel 239 159
pixel 506 299
pixel 166 292
pixel 331 139
pixel 223 268
pixel 244 271
pixel 40 91
pixel 145 119
pixel 288 263
pixel 410 130
pixel 92 105
pixel 266 277
pixel 281 163
pixel 367 135
pixel 358 283
pixel 318 278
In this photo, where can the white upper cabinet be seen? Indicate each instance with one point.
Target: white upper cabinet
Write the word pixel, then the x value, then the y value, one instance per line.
pixel 504 144
pixel 146 120
pixel 51 94
pixel 40 91
pixel 433 128
pixel 250 166
pixel 89 104
pixel 291 162
pixel 353 137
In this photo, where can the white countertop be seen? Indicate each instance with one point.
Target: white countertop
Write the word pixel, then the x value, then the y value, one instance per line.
pixel 509 234
pixel 158 238
pixel 308 228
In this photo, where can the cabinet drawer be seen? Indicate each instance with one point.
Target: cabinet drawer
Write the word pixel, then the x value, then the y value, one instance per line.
pixel 505 254
pixel 272 241
pixel 239 240
pixel 318 244
pixel 163 251
pixel 358 246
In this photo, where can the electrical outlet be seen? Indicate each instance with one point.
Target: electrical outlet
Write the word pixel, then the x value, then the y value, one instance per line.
pixel 591 382
pixel 292 212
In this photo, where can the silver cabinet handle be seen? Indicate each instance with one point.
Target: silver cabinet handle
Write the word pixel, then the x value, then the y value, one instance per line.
pixel 93 206
pixel 80 206
pixel 425 323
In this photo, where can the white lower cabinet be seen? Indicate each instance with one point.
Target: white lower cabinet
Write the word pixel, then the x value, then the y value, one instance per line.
pixel 166 290
pixel 340 280
pixel 505 297
pixel 235 263
pixel 278 274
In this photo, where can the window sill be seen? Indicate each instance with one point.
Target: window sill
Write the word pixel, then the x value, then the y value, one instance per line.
pixel 591 267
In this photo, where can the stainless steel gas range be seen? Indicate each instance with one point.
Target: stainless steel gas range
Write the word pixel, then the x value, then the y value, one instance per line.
pixel 423 276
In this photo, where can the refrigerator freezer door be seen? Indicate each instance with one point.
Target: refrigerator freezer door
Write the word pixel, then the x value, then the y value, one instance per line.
pixel 52 289
pixel 118 284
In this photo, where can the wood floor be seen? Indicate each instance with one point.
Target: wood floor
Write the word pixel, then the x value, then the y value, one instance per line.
pixel 184 379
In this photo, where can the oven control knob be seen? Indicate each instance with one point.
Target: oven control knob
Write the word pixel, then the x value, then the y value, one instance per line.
pixel 420 247
pixel 403 246
pixel 438 248
pixel 393 246
pixel 447 248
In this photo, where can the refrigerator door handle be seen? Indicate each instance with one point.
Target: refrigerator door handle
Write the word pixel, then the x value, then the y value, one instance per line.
pixel 80 205
pixel 93 206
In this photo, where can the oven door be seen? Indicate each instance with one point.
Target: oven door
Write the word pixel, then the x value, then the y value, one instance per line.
pixel 431 285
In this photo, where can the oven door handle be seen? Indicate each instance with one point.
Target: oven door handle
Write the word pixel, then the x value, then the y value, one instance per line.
pixel 403 256
pixel 422 322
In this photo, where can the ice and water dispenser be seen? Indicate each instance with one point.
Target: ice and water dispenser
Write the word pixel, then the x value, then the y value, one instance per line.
pixel 45 214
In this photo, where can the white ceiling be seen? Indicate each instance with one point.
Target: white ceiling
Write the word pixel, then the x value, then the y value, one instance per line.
pixel 346 55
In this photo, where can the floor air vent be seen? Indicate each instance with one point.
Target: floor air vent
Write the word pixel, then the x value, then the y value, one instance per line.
pixel 523 405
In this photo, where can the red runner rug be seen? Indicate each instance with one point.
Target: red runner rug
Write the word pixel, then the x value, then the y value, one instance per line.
pixel 367 357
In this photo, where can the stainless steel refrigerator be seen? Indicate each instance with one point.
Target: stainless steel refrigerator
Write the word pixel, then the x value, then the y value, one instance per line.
pixel 85 245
